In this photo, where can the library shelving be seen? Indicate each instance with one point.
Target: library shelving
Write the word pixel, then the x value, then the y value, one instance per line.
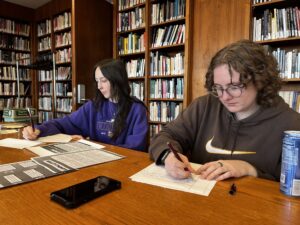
pixel 74 35
pixel 152 39
pixel 15 48
pixel 276 25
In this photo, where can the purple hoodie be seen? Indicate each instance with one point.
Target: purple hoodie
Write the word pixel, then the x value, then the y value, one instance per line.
pixel 97 125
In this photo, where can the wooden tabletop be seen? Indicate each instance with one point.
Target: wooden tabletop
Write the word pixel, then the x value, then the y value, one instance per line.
pixel 257 201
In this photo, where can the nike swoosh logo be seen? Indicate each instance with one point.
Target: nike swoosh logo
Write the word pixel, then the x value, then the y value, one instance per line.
pixel 214 150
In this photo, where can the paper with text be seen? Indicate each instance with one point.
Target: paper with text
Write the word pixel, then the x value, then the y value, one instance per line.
pixel 62 138
pixel 60 148
pixel 157 175
pixel 18 143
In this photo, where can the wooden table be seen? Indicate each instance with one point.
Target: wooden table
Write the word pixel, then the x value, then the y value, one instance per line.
pixel 257 201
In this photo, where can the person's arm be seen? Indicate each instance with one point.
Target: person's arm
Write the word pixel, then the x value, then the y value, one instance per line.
pixel 73 124
pixel 137 122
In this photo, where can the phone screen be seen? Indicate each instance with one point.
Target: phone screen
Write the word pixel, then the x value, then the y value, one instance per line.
pixel 78 194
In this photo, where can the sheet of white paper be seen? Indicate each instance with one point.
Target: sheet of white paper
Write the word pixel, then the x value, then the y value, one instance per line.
pixel 18 143
pixel 157 175
pixel 62 138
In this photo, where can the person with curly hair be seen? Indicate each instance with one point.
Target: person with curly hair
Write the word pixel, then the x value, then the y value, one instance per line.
pixel 113 116
pixel 238 127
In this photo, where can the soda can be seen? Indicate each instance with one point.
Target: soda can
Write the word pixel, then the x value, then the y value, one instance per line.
pixel 290 164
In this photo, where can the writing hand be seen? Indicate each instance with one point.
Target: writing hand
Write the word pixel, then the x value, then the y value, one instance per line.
pixel 224 169
pixel 29 134
pixel 76 137
pixel 175 168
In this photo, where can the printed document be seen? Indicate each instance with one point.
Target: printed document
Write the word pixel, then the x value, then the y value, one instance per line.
pixel 25 171
pixel 77 160
pixel 60 148
pixel 157 175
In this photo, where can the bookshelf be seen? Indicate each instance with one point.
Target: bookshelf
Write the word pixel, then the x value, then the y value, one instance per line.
pixel 276 25
pixel 79 34
pixel 15 47
pixel 152 39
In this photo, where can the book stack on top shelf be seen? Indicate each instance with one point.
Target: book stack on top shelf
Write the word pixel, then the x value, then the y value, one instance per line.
pixel 276 25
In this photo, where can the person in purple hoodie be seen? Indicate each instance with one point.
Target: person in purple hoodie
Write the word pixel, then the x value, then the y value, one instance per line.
pixel 113 116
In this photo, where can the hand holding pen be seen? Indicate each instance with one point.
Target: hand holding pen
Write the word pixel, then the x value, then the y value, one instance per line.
pixel 29 132
pixel 31 119
pixel 172 167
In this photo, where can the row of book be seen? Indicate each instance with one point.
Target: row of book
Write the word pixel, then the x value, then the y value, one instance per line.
pixel 10 73
pixel 137 89
pixel 171 88
pixel 167 10
pixel 288 63
pixel 14 42
pixel 260 1
pixel 62 21
pixel 64 105
pixel 132 43
pixel 162 64
pixel 169 35
pixel 11 57
pixel 11 88
pixel 44 44
pixel 12 27
pixel 14 103
pixel 44 28
pixel 45 103
pixel 125 4
pixel 63 39
pixel 135 67
pixel 44 116
pixel 45 89
pixel 131 20
pixel 63 56
pixel 277 23
pixel 292 98
pixel 154 129
pixel 164 111
pixel 62 74
pixel 45 75
pixel 63 89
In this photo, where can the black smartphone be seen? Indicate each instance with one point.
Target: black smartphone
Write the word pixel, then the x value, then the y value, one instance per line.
pixel 75 195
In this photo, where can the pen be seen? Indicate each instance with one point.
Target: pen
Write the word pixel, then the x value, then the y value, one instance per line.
pixel 31 119
pixel 176 154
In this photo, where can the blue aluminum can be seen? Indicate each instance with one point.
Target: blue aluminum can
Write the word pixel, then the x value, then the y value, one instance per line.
pixel 290 165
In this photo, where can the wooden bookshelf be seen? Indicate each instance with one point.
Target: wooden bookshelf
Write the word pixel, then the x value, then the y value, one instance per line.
pixel 81 35
pixel 276 25
pixel 15 47
pixel 162 55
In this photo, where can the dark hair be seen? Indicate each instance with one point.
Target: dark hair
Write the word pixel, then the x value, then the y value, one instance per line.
pixel 255 64
pixel 115 71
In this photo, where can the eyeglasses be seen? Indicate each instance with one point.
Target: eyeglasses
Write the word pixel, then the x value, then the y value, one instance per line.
pixel 234 90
